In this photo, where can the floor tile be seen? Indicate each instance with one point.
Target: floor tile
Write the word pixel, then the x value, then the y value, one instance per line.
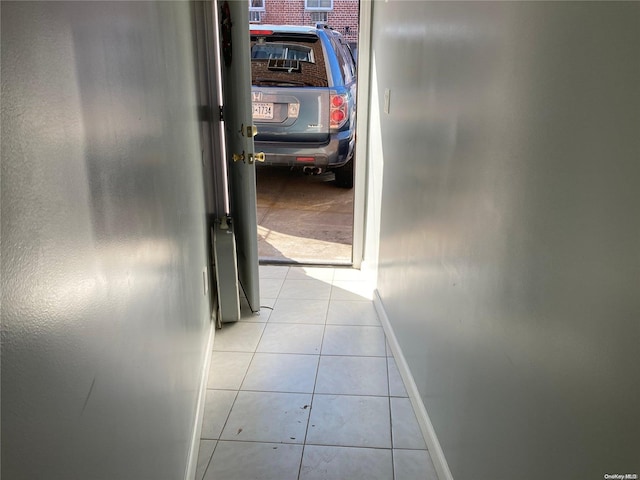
pixel 349 403
pixel 350 274
pixel 350 290
pixel 254 461
pixel 396 385
pixel 413 465
pixel 246 315
pixel 406 431
pixel 268 417
pixel 228 369
pixel 353 340
pixel 273 372
pixel 291 338
pixel 267 303
pixel 217 406
pixel 204 455
pixel 305 289
pixel 270 287
pixel 352 376
pixel 308 273
pixel 292 310
pixel 344 312
pixel 273 271
pixel 350 421
pixel 342 463
pixel 238 337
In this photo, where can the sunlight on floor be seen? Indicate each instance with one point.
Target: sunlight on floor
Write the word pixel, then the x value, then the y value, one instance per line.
pixel 277 246
pixel 309 389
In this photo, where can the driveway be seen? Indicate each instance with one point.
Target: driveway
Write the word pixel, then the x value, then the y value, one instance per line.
pixel 303 219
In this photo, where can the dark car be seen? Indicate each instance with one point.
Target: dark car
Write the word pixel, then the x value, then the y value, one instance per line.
pixel 304 98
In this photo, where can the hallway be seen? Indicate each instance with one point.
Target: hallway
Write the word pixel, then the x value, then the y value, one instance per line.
pixel 496 200
pixel 309 388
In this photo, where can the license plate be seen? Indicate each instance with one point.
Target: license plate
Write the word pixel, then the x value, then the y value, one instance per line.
pixel 262 111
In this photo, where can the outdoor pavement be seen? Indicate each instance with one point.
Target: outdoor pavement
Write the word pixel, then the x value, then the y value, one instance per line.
pixel 303 219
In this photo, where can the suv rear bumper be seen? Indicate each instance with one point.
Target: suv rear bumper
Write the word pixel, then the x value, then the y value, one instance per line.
pixel 327 155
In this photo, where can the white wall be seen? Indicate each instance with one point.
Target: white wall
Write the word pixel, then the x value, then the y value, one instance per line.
pixel 104 318
pixel 509 247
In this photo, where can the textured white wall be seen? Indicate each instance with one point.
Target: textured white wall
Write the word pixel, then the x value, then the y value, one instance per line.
pixel 104 317
pixel 509 259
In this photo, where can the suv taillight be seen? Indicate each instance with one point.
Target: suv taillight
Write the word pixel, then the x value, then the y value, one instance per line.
pixel 339 111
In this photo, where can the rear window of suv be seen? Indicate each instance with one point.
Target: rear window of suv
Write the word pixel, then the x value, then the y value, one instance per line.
pixel 288 60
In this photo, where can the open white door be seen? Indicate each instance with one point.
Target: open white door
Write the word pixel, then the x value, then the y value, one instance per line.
pixel 224 263
pixel 231 187
pixel 233 22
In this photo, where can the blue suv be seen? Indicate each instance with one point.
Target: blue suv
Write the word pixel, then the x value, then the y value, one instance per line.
pixel 304 98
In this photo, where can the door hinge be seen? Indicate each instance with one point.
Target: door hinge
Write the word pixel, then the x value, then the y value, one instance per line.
pixel 225 222
pixel 206 113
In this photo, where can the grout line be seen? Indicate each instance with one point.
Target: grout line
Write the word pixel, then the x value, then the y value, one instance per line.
pixel 354 355
pixel 278 391
pixel 315 382
pixel 324 394
pixel 393 466
pixel 253 354
pixel 313 394
pixel 215 447
pixel 226 420
pixel 351 446
pixel 312 444
pixel 273 442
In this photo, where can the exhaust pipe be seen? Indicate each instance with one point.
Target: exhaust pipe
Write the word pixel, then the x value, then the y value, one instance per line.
pixel 311 170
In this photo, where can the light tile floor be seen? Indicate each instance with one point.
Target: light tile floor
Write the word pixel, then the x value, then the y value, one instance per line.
pixel 308 389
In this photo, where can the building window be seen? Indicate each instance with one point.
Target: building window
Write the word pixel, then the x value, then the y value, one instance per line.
pixel 320 17
pixel 318 4
pixel 256 6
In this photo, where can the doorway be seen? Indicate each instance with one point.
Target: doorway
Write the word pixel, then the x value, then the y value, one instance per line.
pixel 304 218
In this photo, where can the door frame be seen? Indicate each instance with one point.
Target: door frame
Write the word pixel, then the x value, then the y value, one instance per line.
pixel 362 134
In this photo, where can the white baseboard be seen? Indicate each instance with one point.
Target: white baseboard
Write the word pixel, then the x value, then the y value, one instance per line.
pixel 192 460
pixel 433 445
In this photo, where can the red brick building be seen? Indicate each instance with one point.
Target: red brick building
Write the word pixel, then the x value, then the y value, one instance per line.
pixel 341 15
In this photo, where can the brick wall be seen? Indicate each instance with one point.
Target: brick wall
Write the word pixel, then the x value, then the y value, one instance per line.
pixel 343 17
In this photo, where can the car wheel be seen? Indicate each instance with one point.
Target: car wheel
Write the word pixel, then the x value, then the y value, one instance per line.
pixel 344 174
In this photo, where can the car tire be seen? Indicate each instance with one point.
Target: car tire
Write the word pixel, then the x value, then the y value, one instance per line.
pixel 344 174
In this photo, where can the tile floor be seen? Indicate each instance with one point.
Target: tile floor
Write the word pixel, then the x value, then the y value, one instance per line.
pixel 308 389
